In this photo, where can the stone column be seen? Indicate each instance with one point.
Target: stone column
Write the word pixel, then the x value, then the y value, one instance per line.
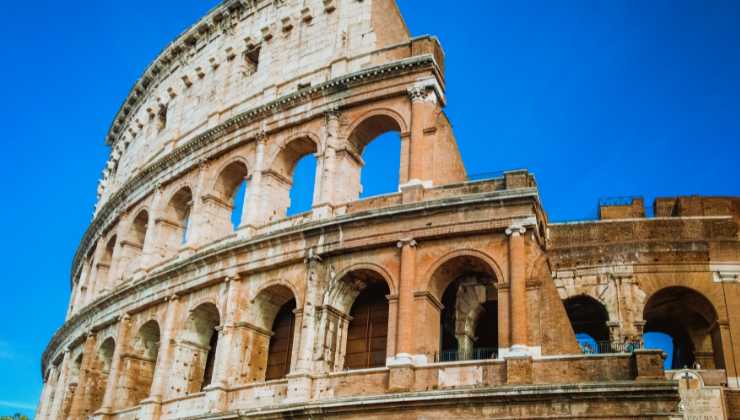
pixel 423 101
pixel 518 290
pixel 314 298
pixel 325 191
pixel 226 352
pixel 504 321
pixel 253 213
pixel 405 324
pixel 151 406
pixel 47 394
pixel 733 379
pixel 78 408
pixel 112 387
pixel 54 412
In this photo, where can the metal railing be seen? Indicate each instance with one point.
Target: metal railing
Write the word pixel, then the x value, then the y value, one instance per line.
pixel 480 353
pixel 605 347
pixel 618 201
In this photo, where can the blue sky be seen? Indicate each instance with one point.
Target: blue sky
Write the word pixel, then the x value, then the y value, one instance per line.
pixel 597 98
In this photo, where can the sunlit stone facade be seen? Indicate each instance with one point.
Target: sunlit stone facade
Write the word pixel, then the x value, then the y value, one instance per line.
pixel 448 298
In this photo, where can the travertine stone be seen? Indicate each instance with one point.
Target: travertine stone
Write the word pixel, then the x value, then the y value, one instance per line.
pixel 396 284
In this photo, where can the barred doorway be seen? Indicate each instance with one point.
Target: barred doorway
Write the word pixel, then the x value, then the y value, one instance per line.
pixel 367 335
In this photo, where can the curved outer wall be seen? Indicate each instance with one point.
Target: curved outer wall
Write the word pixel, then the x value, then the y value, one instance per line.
pixel 175 312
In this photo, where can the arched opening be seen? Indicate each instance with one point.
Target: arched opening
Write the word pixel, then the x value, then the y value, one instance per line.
pixel 367 333
pixel 197 348
pixel 589 318
pixel 140 228
pixel 289 185
pixel 304 185
pixel 229 191
pixel 377 140
pixel 105 272
pixel 139 366
pixel 690 320
pixel 271 313
pixel 99 372
pixel 469 319
pixel 281 343
pixel 176 228
pixel 135 245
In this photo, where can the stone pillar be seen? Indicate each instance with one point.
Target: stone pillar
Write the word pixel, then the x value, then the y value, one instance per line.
pixel 405 324
pixel 518 290
pixel 226 352
pixel 78 408
pixel 47 394
pixel 308 327
pixel 253 213
pixel 325 191
pixel 504 321
pixel 422 107
pixel 114 376
pixel 54 412
pixel 733 379
pixel 151 406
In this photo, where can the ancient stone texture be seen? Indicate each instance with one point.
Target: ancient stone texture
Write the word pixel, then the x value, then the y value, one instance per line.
pixel 182 308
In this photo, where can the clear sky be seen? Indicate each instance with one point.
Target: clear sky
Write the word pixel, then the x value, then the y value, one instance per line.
pixel 597 98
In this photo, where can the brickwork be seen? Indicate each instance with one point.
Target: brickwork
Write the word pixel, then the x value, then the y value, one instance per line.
pixel 175 312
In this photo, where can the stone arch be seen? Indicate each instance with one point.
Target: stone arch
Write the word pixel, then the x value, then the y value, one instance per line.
pixel 373 123
pixel 377 269
pixel 278 182
pixel 133 247
pixel 435 283
pixel 139 366
pixel 465 282
pixel 271 315
pixel 355 319
pixel 589 316
pixel 226 175
pixel 196 350
pixel 139 227
pixel 351 163
pixel 105 268
pixel 175 223
pixel 692 322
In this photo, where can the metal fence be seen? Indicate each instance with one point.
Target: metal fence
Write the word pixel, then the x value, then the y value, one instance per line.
pixel 604 347
pixel 481 353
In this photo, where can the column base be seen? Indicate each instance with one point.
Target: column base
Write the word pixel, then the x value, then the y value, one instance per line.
pixel 216 400
pixel 150 408
pixel 416 183
pixel 405 359
pixel 299 387
pixel 519 350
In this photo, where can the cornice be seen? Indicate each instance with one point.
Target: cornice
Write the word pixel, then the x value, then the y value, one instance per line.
pixel 108 211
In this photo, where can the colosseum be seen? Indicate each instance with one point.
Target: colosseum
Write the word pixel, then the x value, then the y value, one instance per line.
pixel 449 298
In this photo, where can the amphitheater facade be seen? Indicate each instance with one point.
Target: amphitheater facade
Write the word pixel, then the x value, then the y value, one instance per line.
pixel 450 298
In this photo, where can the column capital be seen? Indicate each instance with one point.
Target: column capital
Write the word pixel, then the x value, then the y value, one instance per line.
pixel 417 93
pixel 406 241
pixel 232 277
pixel 333 112
pixel 515 230
pixel 261 135
pixel 173 298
